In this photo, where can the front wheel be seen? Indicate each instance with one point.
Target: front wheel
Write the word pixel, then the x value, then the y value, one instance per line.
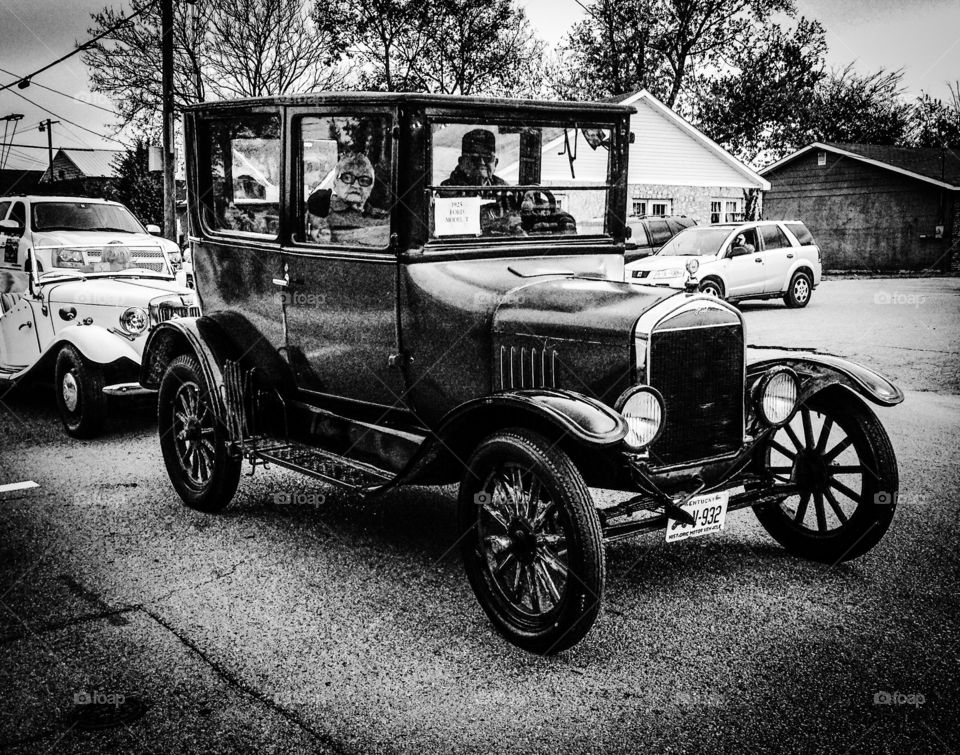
pixel 712 287
pixel 80 399
pixel 799 291
pixel 839 458
pixel 532 545
pixel 193 442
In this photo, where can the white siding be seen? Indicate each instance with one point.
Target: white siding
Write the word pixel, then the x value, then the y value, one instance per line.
pixel 664 153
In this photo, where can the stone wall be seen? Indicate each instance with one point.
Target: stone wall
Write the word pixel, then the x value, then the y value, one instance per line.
pixel 692 201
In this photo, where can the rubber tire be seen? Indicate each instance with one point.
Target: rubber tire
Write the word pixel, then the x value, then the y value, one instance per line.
pixel 870 521
pixel 717 285
pixel 88 419
pixel 789 297
pixel 217 494
pixel 582 601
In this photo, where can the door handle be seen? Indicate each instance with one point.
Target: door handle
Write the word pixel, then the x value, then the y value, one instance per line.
pixel 26 324
pixel 790 256
pixel 282 282
pixel 757 259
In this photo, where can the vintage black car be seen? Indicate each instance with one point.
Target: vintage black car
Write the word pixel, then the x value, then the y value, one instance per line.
pixel 398 289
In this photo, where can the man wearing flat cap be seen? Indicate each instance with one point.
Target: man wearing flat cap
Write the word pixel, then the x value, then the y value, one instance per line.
pixel 478 160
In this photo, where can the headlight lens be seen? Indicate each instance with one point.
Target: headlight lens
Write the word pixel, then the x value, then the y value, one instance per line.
pixel 642 408
pixel 778 395
pixel 134 320
pixel 69 258
pixel 673 272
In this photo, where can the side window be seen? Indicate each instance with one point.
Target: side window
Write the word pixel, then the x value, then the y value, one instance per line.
pixel 4 206
pixel 345 166
pixel 802 233
pixel 241 175
pixel 773 237
pixel 660 232
pixel 19 213
pixel 750 235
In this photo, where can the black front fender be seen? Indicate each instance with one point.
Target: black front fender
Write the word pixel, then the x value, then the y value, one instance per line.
pixel 817 371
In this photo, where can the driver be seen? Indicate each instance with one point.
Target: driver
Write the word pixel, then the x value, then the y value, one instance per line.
pixel 478 159
pixel 741 241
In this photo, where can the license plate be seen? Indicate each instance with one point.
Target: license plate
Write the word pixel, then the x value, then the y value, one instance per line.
pixel 709 512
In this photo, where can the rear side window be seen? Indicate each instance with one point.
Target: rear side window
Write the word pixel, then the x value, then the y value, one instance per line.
pixel 240 170
pixel 800 231
pixel 660 232
pixel 773 237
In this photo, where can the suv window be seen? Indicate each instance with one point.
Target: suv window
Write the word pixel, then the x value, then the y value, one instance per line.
pixel 517 179
pixel 345 165
pixel 241 176
pixel 800 231
pixel 4 206
pixel 773 237
pixel 19 213
pixel 660 232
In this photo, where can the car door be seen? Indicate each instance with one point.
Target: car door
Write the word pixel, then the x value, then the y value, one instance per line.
pixel 778 255
pixel 19 343
pixel 340 302
pixel 743 273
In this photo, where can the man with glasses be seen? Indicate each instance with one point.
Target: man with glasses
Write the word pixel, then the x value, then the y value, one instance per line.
pixel 478 160
pixel 344 214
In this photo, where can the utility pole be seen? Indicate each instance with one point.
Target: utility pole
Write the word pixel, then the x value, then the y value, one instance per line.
pixel 166 63
pixel 47 126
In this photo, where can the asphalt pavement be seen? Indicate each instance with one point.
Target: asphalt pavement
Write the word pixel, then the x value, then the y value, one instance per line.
pixel 306 620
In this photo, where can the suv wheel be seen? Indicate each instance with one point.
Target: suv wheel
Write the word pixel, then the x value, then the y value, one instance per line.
pixel 193 441
pixel 799 291
pixel 712 287
pixel 532 547
pixel 80 399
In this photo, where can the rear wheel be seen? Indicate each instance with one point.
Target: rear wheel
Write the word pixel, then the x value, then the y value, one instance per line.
pixel 193 441
pixel 837 454
pixel 80 399
pixel 799 291
pixel 532 547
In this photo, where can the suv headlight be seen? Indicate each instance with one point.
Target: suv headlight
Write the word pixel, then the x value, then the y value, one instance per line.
pixel 134 320
pixel 642 408
pixel 69 258
pixel 673 272
pixel 776 395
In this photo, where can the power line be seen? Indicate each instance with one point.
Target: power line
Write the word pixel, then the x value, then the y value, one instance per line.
pixel 67 120
pixel 64 94
pixel 25 80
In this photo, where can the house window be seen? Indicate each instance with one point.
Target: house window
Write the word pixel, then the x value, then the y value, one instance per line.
pixel 821 158
pixel 726 210
pixel 652 206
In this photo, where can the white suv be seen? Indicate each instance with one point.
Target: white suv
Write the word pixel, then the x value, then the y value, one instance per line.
pixel 763 259
pixel 60 230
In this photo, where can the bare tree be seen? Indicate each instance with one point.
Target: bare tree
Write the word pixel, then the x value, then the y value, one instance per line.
pixel 222 48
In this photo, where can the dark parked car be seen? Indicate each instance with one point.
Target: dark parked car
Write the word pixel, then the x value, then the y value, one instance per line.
pixel 419 303
pixel 650 232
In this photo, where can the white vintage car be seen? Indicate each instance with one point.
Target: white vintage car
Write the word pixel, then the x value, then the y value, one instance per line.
pixel 85 322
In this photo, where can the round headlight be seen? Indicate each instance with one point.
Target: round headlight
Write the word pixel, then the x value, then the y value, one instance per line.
pixel 777 395
pixel 134 320
pixel 642 408
pixel 692 266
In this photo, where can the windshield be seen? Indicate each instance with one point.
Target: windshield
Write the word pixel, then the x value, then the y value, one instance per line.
pixel 83 216
pixel 694 242
pixel 519 179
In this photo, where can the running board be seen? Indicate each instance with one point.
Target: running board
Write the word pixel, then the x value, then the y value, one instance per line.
pixel 338 470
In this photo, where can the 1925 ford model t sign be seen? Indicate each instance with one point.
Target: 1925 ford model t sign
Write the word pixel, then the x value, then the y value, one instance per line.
pixel 404 289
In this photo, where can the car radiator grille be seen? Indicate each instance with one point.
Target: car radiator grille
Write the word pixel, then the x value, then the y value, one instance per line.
pixel 699 371
pixel 148 259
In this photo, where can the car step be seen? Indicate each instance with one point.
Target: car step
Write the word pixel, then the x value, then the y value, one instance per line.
pixel 338 470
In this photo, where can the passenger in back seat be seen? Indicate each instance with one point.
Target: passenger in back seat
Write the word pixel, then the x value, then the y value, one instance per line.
pixel 8 297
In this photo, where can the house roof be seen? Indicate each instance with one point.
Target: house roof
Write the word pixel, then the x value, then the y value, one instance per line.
pixel 940 167
pixel 92 163
pixel 643 96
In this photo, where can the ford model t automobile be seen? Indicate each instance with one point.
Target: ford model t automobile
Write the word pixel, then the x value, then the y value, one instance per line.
pixel 398 289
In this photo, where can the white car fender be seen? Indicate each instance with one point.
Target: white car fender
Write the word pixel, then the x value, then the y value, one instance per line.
pixel 97 344
pixel 797 265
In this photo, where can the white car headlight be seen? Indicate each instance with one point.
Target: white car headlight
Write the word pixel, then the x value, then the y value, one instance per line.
pixel 642 408
pixel 776 395
pixel 673 272
pixel 134 320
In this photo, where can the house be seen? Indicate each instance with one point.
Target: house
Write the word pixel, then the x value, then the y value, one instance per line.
pixel 872 207
pixel 70 163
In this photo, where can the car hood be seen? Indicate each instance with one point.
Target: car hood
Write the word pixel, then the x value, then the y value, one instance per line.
pixel 116 292
pixel 658 262
pixel 576 309
pixel 99 238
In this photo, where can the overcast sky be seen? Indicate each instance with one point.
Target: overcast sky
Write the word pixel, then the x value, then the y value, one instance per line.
pixel 920 36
